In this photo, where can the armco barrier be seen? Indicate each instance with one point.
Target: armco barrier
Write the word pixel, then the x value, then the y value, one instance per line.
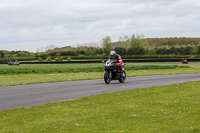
pixel 100 61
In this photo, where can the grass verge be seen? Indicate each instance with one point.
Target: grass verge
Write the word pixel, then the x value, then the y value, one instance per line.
pixel 33 78
pixel 49 69
pixel 76 74
pixel 32 74
pixel 164 109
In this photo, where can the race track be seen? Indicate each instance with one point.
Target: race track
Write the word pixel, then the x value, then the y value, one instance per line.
pixel 36 94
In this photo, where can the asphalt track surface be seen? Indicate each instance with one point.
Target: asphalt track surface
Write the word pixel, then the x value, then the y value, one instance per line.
pixel 35 94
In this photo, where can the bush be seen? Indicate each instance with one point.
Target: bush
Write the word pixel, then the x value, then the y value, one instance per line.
pixel 192 56
pixel 40 59
pixel 49 59
pixel 69 59
pixel 60 58
pixel 56 59
pixel 29 58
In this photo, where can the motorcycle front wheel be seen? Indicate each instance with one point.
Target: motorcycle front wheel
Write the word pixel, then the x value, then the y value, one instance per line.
pixel 123 77
pixel 107 77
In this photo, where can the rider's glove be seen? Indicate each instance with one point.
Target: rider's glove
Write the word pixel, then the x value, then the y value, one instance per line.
pixel 117 64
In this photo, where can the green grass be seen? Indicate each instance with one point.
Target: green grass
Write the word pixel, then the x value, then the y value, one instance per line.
pixel 85 73
pixel 172 108
pixel 48 69
pixel 20 79
pixel 164 109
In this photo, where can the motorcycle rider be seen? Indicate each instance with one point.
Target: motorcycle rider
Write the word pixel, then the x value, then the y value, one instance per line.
pixel 115 56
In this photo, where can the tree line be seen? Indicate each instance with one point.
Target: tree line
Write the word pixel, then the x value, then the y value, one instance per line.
pixel 135 45
pixel 5 53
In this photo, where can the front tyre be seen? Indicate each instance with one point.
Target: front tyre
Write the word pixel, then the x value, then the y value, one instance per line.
pixel 107 77
pixel 123 77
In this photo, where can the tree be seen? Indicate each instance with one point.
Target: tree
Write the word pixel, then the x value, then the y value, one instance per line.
pixel 136 45
pixel 136 51
pixel 43 55
pixel 100 51
pixel 187 50
pixel 90 51
pixel 121 39
pixel 2 54
pixel 195 49
pixel 137 41
pixel 120 50
pixel 48 59
pixel 125 38
pixel 21 53
pixel 77 52
pixel 107 44
pixel 53 53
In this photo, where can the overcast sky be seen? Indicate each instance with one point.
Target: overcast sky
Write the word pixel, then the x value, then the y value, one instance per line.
pixel 31 24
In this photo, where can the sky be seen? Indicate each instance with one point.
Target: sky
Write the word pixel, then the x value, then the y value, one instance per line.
pixel 32 25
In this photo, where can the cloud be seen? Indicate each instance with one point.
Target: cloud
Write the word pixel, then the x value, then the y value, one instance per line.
pixel 27 25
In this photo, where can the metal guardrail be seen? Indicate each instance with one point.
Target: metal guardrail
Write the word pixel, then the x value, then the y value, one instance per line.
pixel 100 61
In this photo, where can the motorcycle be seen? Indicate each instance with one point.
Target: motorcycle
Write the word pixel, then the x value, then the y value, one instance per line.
pixel 113 72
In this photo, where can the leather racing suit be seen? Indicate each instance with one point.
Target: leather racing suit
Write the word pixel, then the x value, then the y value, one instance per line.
pixel 119 60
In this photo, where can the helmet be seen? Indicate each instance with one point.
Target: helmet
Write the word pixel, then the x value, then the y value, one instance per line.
pixel 112 53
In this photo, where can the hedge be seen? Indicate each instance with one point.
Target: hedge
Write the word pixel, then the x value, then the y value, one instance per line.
pixel 30 58
pixel 6 59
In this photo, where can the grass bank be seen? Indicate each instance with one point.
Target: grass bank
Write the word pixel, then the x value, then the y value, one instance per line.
pixel 164 109
pixel 131 70
pixel 31 74
pixel 49 69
